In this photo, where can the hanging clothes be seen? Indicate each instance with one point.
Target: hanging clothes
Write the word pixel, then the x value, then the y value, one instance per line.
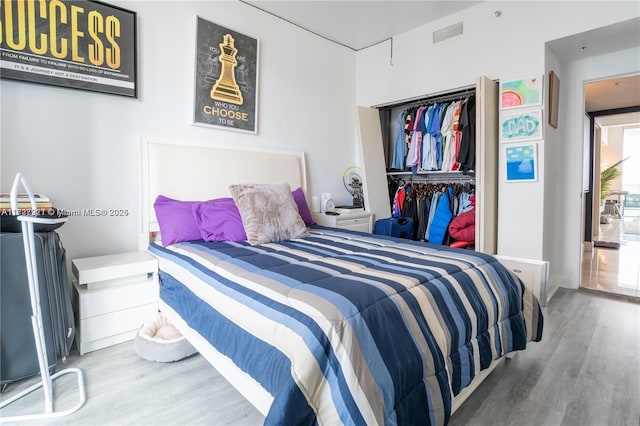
pixel 413 157
pixel 423 211
pixel 436 136
pixel 458 135
pixel 449 138
pixel 398 201
pixel 432 211
pixel 467 153
pixel 399 146
pixel 442 217
pixel 410 209
pixel 392 188
pixel 434 131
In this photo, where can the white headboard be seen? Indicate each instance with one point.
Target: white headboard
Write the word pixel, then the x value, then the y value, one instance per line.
pixel 202 171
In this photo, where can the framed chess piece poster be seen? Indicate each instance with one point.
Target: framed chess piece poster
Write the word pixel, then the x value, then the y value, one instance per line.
pixel 226 78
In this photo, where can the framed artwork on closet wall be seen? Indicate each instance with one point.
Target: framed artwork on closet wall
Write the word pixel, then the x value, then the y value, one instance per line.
pixel 226 78
pixel 521 124
pixel 521 162
pixel 521 93
pixel 554 98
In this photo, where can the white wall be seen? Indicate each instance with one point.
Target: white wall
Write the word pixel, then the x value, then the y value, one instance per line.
pixel 578 73
pixel 552 244
pixel 507 47
pixel 511 46
pixel 80 147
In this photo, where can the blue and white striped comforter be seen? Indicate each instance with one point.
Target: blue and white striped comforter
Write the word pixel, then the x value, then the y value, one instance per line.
pixel 349 328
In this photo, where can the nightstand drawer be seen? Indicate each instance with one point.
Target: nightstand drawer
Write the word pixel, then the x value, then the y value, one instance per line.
pixel 116 298
pixel 360 221
pixel 361 225
pixel 345 223
pixel 114 323
pixel 112 328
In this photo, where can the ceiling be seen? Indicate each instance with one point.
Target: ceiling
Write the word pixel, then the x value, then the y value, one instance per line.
pixel 358 24
pixel 612 93
pixel 361 23
pixel 620 36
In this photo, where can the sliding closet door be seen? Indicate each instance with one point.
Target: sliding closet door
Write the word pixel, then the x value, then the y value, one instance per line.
pixel 374 172
pixel 486 165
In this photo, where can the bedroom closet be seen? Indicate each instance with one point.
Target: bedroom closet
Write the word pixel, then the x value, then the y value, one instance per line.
pixel 405 145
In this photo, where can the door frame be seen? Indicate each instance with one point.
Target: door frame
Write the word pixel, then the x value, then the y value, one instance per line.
pixel 595 168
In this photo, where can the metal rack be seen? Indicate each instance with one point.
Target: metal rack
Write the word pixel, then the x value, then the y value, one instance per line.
pixel 433 177
pixel 46 382
pixel 450 95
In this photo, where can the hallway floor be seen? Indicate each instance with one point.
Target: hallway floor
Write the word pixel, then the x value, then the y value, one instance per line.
pixel 615 270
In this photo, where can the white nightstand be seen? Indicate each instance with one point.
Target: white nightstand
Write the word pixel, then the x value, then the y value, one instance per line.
pixel 361 221
pixel 534 274
pixel 115 295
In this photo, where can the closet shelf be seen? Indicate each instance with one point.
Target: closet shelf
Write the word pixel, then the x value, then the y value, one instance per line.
pixel 434 176
pixel 430 172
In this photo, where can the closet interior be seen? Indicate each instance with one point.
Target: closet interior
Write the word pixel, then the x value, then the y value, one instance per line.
pixel 440 155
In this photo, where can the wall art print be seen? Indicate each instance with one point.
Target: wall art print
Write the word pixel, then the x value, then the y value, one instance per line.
pixel 521 125
pixel 86 45
pixel 521 93
pixel 554 98
pixel 226 78
pixel 521 163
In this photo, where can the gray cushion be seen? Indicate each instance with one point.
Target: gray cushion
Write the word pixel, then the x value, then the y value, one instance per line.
pixel 269 212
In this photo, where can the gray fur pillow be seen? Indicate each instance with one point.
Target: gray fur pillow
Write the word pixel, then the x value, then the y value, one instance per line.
pixel 269 213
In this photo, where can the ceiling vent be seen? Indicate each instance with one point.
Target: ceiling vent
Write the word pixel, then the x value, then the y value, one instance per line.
pixel 447 32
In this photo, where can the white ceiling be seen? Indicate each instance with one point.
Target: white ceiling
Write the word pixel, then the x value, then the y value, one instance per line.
pixel 621 92
pixel 361 23
pixel 613 93
pixel 358 24
pixel 621 36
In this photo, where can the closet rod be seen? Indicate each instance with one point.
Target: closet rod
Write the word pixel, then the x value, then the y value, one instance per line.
pixel 433 178
pixel 444 98
pixel 432 98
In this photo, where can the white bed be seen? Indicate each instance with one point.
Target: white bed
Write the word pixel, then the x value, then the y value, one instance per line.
pixel 189 170
pixel 198 171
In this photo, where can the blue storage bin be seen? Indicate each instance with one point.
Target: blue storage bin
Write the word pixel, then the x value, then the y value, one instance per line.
pixel 401 227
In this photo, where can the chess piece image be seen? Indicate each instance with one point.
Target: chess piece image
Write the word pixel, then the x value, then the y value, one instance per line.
pixel 226 89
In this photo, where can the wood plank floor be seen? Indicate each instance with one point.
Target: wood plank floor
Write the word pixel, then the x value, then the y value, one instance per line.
pixel 586 371
pixel 615 270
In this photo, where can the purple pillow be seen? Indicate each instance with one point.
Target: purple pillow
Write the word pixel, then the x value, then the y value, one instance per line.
pixel 303 207
pixel 219 220
pixel 176 221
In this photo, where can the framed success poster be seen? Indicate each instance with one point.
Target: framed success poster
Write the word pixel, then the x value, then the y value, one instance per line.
pixel 79 44
pixel 226 78
pixel 521 163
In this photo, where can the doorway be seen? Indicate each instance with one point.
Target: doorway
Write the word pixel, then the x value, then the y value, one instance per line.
pixel 613 235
